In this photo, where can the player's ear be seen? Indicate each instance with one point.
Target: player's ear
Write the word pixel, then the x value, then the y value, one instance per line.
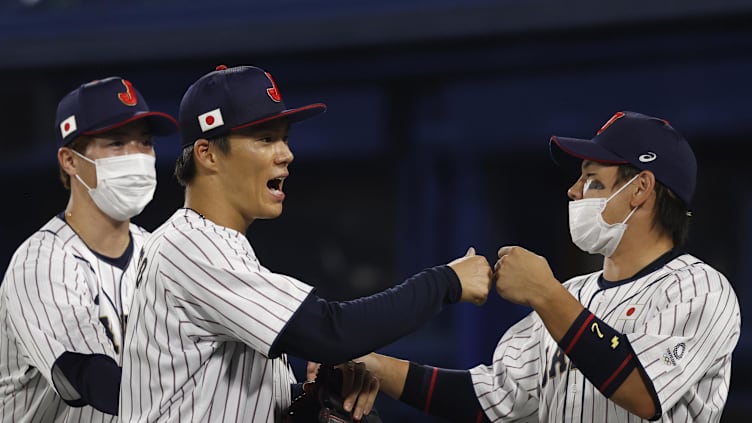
pixel 204 154
pixel 65 159
pixel 645 188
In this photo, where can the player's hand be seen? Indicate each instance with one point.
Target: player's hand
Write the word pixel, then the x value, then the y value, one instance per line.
pixel 372 363
pixel 522 276
pixel 391 372
pixel 475 277
pixel 359 388
pixel 311 369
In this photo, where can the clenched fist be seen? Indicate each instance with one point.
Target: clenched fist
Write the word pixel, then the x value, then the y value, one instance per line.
pixel 522 276
pixel 475 277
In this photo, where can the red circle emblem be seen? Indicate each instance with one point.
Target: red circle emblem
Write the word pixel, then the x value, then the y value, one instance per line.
pixel 630 311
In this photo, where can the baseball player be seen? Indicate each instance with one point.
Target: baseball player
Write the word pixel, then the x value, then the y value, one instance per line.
pixel 210 326
pixel 650 336
pixel 66 294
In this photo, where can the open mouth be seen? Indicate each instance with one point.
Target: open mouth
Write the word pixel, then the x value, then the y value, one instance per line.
pixel 275 184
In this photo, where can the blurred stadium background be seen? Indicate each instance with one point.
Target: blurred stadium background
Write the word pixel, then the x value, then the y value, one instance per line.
pixel 436 135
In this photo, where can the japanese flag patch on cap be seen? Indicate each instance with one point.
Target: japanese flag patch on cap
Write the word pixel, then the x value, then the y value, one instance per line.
pixel 229 99
pixel 104 104
pixel 68 126
pixel 210 120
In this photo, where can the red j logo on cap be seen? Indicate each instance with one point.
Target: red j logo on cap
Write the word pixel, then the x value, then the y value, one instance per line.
pixel 128 97
pixel 273 91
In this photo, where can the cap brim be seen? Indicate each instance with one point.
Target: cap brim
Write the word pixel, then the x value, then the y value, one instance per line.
pixel 291 115
pixel 570 152
pixel 159 123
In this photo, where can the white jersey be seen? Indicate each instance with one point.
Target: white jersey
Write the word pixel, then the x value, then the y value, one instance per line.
pixel 682 320
pixel 204 317
pixel 57 296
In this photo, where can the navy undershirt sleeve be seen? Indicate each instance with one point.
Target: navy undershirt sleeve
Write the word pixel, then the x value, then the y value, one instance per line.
pixel 443 393
pixel 96 377
pixel 296 389
pixel 334 332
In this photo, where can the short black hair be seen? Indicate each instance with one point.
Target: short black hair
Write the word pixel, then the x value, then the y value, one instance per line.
pixel 185 166
pixel 671 213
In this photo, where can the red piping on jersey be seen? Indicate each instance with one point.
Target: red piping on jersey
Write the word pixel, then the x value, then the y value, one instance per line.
pixel 579 334
pixel 616 373
pixel 480 417
pixel 430 389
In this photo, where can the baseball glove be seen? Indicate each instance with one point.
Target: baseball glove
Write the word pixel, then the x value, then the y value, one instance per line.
pixel 321 401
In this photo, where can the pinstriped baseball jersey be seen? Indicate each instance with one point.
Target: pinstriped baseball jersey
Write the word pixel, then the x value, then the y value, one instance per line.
pixel 682 320
pixel 57 295
pixel 204 317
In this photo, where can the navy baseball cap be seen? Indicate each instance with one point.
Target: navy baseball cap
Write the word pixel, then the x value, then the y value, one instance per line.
pixel 645 142
pixel 104 104
pixel 228 99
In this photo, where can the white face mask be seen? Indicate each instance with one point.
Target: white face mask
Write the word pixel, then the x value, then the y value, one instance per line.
pixel 588 229
pixel 125 184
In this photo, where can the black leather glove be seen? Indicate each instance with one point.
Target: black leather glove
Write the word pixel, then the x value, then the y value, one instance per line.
pixel 322 402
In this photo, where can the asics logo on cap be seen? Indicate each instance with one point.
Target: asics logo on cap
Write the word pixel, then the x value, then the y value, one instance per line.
pixel 647 157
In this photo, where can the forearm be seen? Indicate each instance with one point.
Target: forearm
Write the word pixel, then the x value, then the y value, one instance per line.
pixel 334 332
pixel 634 395
pixel 438 392
pixel 391 372
pixel 445 393
pixel 558 309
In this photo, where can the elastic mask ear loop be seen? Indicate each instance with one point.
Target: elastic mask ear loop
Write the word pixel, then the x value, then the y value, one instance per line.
pixel 618 191
pixel 622 188
pixel 82 182
pixel 629 215
pixel 88 160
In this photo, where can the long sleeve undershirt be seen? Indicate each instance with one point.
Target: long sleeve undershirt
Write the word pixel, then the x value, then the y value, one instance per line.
pixel 321 331
pixel 96 378
pixel 442 393
pixel 334 332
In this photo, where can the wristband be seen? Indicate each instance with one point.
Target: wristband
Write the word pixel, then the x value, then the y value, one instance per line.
pixel 443 393
pixel 603 355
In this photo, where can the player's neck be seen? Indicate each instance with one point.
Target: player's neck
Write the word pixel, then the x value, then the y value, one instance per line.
pixel 633 254
pixel 208 202
pixel 100 232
